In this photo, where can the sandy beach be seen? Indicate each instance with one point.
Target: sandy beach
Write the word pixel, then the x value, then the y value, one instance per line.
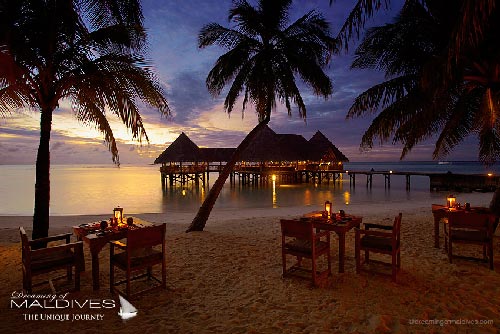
pixel 227 279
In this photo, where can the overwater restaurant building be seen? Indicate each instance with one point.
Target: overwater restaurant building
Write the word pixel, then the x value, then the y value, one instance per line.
pixel 288 156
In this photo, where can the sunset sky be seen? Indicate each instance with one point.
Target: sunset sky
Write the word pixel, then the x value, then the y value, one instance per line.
pixel 172 28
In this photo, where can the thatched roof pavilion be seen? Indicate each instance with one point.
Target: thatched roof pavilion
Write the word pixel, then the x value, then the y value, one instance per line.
pixel 182 149
pixel 268 146
pixel 321 148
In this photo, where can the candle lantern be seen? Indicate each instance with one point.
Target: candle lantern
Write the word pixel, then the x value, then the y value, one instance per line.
pixel 118 214
pixel 328 209
pixel 451 201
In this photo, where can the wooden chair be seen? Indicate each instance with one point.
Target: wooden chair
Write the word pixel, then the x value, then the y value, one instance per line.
pixel 45 260
pixel 470 228
pixel 388 242
pixel 138 255
pixel 299 239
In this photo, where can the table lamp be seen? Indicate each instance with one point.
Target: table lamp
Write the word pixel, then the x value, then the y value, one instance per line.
pixel 450 201
pixel 328 209
pixel 118 214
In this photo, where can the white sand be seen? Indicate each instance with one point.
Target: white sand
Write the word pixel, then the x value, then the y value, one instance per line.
pixel 227 279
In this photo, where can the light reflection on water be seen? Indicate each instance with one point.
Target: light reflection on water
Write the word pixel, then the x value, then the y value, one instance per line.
pixel 97 189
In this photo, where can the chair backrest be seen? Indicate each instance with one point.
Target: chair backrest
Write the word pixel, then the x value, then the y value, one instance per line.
pixel 24 237
pixel 297 228
pixel 146 236
pixel 471 220
pixel 396 226
pixel 25 244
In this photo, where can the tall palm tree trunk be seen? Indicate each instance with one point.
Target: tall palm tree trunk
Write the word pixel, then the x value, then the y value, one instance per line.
pixel 42 185
pixel 198 223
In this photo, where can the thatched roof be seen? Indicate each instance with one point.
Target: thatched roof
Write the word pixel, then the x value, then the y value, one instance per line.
pixel 267 146
pixel 264 147
pixel 293 147
pixel 216 154
pixel 321 148
pixel 181 149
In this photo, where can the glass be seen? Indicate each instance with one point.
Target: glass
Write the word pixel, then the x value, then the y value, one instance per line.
pixel 103 225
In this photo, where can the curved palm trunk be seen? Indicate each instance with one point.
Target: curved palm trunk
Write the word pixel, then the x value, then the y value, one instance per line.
pixel 198 223
pixel 42 185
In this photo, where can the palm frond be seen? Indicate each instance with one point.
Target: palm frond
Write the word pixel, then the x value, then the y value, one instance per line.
pixel 460 121
pixel 13 97
pixel 90 114
pixel 16 89
pixel 116 82
pixel 214 33
pixel 104 13
pixel 489 146
pixel 237 86
pixel 287 91
pixel 381 127
pixel 392 118
pixel 309 37
pixel 471 26
pixel 227 67
pixel 421 122
pixel 489 136
pixel 382 95
pixel 355 22
pixel 313 75
pixel 403 46
pixel 247 18
pixel 116 38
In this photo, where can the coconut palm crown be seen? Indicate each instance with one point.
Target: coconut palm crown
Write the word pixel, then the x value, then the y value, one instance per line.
pixel 265 55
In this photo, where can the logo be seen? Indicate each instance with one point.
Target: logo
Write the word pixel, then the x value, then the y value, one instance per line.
pixel 37 305
pixel 127 310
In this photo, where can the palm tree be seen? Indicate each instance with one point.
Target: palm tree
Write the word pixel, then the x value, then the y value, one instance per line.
pixel 429 89
pixel 263 59
pixel 88 52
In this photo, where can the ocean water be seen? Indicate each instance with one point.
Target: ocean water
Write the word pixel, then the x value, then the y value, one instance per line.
pixel 96 189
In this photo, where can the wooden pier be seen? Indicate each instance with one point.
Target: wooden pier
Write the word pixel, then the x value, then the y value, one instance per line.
pixel 438 181
pixel 255 175
pixel 173 174
pixel 286 175
pixel 262 175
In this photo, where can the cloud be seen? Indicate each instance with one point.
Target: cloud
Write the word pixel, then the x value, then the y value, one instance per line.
pixel 188 96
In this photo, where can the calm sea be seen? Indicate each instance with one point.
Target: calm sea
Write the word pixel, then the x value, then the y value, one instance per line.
pixel 96 189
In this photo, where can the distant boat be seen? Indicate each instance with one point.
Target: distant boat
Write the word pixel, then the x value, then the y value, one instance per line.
pixel 444 163
pixel 127 310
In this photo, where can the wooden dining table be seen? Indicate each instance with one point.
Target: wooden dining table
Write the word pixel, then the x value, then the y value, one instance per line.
pixel 96 239
pixel 441 212
pixel 337 224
